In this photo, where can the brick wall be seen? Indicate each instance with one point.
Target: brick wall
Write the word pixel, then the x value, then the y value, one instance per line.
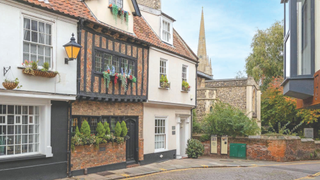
pixel 271 149
pixel 90 156
pixel 96 108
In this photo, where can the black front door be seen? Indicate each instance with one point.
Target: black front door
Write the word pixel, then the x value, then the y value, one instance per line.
pixel 132 142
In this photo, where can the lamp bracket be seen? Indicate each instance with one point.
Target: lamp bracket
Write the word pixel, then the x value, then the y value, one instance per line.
pixel 5 70
pixel 66 60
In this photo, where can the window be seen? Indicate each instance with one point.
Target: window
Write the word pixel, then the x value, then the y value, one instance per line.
pixel 166 31
pixel 104 60
pixel 119 3
pixel 160 133
pixel 184 73
pixel 19 129
pixel 37 41
pixel 163 68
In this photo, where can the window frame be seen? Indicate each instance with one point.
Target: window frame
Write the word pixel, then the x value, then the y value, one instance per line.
pixel 36 128
pixel 170 23
pixel 161 134
pixel 186 73
pixel 116 2
pixel 166 68
pixel 118 58
pixel 52 35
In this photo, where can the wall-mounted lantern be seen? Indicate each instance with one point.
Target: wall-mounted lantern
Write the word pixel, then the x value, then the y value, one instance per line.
pixel 72 49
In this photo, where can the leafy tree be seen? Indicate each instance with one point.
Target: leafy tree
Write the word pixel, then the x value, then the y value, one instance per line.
pixel 107 127
pixel 117 130
pixel 100 130
pixel 227 120
pixel 266 61
pixel 276 107
pixel 85 129
pixel 194 148
pixel 240 75
pixel 124 129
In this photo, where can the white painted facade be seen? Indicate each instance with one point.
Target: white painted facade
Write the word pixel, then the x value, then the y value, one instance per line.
pixel 36 91
pixel 101 11
pixel 171 104
pixel 317 35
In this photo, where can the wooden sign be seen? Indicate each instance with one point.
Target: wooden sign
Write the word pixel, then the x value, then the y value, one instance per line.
pixel 214 144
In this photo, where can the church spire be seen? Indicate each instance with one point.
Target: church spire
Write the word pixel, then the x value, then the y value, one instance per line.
pixel 202 48
pixel 204 62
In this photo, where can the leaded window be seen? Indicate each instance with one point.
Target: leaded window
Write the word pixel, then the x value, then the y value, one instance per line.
pixel 19 129
pixel 124 66
pixel 160 133
pixel 119 3
pixel 37 41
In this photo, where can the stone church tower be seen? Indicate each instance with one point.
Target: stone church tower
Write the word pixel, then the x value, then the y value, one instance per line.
pixel 204 63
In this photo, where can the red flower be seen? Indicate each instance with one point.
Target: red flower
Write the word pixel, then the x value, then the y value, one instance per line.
pixel 130 77
pixel 115 79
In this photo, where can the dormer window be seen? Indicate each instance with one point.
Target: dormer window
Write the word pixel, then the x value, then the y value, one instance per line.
pixel 119 3
pixel 166 29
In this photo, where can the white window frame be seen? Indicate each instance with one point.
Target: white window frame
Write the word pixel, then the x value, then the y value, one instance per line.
pixel 186 79
pixel 167 74
pixel 164 19
pixel 45 20
pixel 166 134
pixel 44 123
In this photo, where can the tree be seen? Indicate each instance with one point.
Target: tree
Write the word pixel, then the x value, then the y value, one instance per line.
pixel 240 75
pixel 85 129
pixel 227 120
pixel 106 127
pixel 124 129
pixel 101 131
pixel 117 130
pixel 276 107
pixel 265 61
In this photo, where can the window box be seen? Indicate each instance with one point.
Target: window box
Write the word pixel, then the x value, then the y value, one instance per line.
pixel 47 74
pixel 164 85
pixel 185 89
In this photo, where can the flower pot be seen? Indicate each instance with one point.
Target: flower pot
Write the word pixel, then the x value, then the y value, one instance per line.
pixel 165 85
pixel 185 89
pixel 10 85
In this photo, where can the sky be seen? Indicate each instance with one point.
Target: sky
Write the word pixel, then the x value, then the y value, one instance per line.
pixel 230 26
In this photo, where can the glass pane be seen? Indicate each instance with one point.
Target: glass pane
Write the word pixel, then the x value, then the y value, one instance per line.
pixel 34 25
pixel 10 150
pixel 48 51
pixel 24 139
pixel 24 129
pixel 18 119
pixel 18 129
pixel 10 140
pixel 41 27
pixel 36 119
pixel 31 148
pixel 3 109
pixel 25 110
pixel 26 35
pixel 10 109
pixel 33 49
pixel 48 39
pixel 34 36
pixel 30 109
pixel 2 119
pixel 30 119
pixel 48 29
pixel 24 148
pixel 18 139
pixel 36 128
pixel 10 129
pixel 26 57
pixel 36 138
pixel 36 147
pixel 2 140
pixel 24 119
pixel 26 23
pixel 41 60
pixel 18 109
pixel 11 119
pixel 31 129
pixel 3 130
pixel 26 47
pixel 17 149
pixel 37 110
pixel 2 150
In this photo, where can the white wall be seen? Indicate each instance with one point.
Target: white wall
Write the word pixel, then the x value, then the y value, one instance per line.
pixel 101 11
pixel 153 20
pixel 11 46
pixel 174 71
pixel 149 115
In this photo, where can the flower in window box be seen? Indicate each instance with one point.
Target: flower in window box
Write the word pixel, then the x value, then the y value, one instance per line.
pixel 185 86
pixel 164 82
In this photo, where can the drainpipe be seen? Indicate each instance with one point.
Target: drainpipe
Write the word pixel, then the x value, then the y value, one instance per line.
pixel 69 142
pixel 195 102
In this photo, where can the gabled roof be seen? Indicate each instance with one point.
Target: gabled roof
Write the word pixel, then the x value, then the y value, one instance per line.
pixel 142 31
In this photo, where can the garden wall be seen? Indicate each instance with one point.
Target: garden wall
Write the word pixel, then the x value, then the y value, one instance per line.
pixel 87 156
pixel 277 148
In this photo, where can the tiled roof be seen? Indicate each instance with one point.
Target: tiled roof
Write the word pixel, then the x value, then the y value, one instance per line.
pixel 74 8
pixel 144 32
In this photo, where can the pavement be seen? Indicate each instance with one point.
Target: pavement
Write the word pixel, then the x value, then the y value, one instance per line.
pixel 182 164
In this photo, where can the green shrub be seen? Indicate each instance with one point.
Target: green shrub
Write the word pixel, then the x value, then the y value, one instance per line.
pixel 117 130
pixel 100 130
pixel 77 131
pixel 227 120
pixel 45 66
pixel 85 129
pixel 194 148
pixel 107 128
pixel 205 137
pixel 124 131
pixel 34 65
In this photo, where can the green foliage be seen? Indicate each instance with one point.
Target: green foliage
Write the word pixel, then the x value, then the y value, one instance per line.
pixel 205 137
pixel 77 131
pixel 283 130
pixel 227 120
pixel 124 128
pixel 163 79
pixel 115 10
pixel 85 129
pixel 119 140
pixel 194 148
pixel 196 127
pixel 266 61
pixel 123 80
pixel 117 130
pixel 45 66
pixel 185 85
pixel 107 128
pixel 100 130
pixel 106 77
pixel 34 65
